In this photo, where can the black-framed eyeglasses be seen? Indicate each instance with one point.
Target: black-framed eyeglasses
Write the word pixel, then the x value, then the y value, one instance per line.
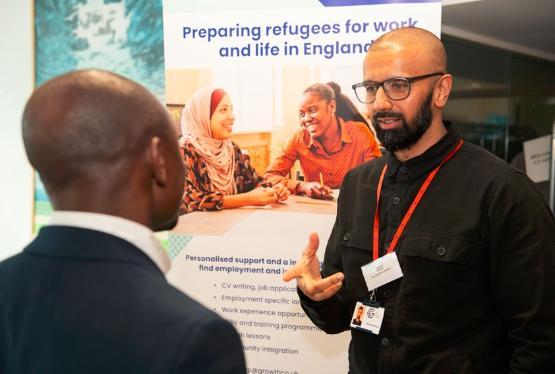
pixel 396 88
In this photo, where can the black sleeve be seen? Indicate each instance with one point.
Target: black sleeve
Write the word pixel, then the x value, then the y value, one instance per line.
pixel 331 315
pixel 522 241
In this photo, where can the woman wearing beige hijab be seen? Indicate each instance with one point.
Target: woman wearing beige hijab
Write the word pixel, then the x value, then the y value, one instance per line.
pixel 218 175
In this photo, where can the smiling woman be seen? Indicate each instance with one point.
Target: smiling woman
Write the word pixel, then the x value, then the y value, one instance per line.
pixel 218 175
pixel 331 141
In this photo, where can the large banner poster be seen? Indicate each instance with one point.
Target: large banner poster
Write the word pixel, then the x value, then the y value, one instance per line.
pixel 264 54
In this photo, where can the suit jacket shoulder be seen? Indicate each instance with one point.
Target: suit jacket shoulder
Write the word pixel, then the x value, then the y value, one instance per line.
pixel 74 291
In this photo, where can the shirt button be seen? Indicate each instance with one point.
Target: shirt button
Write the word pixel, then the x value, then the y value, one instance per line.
pixel 441 251
pixel 347 236
pixel 387 294
pixel 396 200
pixel 385 342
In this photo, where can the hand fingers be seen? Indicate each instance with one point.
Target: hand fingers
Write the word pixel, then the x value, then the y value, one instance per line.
pixel 278 189
pixel 322 285
pixel 312 246
pixel 284 194
pixel 269 191
pixel 314 191
pixel 280 194
pixel 321 289
pixel 326 293
pixel 301 268
pixel 323 189
pixel 290 274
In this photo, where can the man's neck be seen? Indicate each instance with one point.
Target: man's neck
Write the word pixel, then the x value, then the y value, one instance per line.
pixel 124 206
pixel 428 139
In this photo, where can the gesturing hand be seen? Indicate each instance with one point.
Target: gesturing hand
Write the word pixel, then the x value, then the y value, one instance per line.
pixel 307 274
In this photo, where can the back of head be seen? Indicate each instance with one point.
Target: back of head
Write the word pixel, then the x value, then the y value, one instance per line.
pixel 86 132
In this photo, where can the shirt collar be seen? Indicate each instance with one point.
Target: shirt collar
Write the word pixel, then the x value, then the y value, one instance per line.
pixel 345 136
pixel 419 165
pixel 135 233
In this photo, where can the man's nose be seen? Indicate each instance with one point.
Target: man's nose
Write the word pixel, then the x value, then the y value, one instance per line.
pixel 382 102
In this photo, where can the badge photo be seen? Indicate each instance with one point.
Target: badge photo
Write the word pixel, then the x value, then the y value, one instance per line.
pixel 367 317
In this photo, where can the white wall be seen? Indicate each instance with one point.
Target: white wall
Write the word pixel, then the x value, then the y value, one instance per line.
pixel 16 84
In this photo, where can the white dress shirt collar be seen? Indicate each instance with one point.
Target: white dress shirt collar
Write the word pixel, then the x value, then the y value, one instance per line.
pixel 135 233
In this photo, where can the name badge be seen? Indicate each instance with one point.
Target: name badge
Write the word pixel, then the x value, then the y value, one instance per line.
pixel 382 271
pixel 367 317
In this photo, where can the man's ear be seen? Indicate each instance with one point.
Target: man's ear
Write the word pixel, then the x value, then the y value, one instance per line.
pixel 442 90
pixel 157 161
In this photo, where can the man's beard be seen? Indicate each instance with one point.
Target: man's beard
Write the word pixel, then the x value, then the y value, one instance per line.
pixel 408 134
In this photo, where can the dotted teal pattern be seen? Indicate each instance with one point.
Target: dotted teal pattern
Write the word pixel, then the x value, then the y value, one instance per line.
pixel 176 244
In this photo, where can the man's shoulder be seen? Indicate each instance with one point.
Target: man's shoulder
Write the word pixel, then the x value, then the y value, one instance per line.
pixel 366 170
pixel 173 298
pixel 360 180
pixel 173 303
pixel 9 267
pixel 178 315
pixel 482 155
pixel 142 287
pixel 483 164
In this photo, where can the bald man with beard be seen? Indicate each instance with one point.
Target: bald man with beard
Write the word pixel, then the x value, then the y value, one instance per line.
pixel 460 246
pixel 89 294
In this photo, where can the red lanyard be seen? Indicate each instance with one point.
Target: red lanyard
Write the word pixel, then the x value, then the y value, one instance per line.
pixel 414 204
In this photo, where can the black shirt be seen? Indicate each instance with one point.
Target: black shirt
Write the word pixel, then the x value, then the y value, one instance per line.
pixel 478 258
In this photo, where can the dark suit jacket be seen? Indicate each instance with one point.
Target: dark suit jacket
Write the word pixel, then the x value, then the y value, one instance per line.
pixel 82 301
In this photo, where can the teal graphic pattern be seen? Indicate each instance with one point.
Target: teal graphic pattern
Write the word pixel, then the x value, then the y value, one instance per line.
pixel 176 244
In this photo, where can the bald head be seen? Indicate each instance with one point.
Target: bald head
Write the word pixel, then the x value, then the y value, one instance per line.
pixel 82 121
pixel 426 49
pixel 88 133
pixel 408 66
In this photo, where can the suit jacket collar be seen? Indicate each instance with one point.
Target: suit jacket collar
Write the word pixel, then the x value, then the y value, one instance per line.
pixel 87 245
pixel 137 234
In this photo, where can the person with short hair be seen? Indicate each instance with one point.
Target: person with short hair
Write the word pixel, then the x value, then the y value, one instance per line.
pixel 89 294
pixel 357 321
pixel 453 247
pixel 329 144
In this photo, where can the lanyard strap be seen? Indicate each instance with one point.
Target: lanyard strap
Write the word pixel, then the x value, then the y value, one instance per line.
pixel 413 205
